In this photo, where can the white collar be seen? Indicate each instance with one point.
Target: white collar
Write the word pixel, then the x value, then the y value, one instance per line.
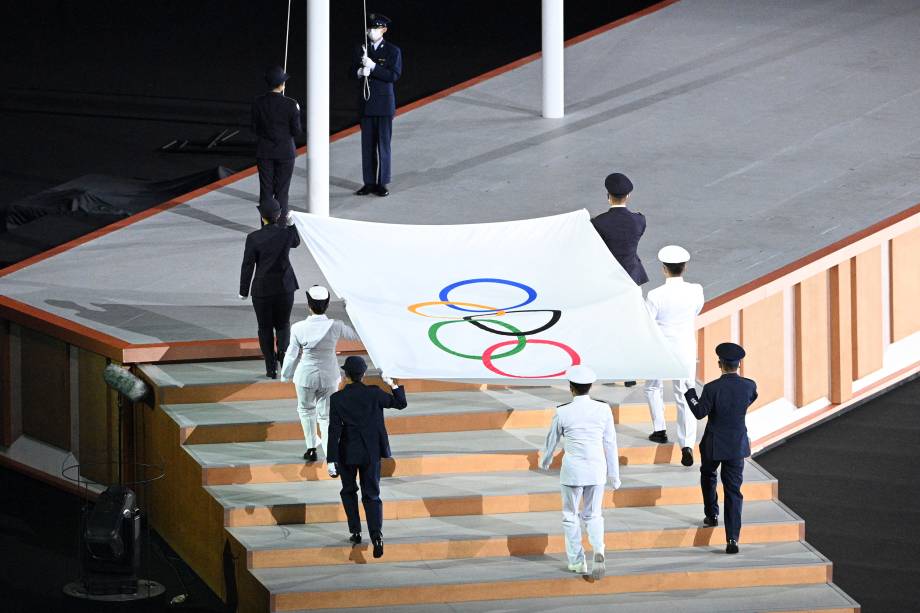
pixel 377 44
pixel 312 317
pixel 674 280
pixel 617 206
pixel 582 399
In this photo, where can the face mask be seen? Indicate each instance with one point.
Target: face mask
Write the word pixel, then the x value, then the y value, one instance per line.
pixel 375 34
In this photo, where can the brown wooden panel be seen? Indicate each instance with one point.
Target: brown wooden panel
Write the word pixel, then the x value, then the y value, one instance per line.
pixel 718 332
pixel 98 420
pixel 905 285
pixel 763 340
pixel 866 295
pixel 45 389
pixel 841 333
pixel 812 345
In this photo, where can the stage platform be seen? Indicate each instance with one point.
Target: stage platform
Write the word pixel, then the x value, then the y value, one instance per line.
pixel 755 133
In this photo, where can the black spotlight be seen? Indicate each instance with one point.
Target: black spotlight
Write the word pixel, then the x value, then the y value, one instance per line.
pixel 111 543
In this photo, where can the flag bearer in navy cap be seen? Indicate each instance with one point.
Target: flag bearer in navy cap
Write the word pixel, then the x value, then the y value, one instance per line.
pixel 725 443
pixel 674 307
pixel 275 122
pixel 357 441
pixel 312 365
pixel 590 461
pixel 377 66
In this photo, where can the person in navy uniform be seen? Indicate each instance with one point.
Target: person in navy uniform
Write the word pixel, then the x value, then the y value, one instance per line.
pixel 725 401
pixel 357 440
pixel 378 66
pixel 275 122
pixel 267 268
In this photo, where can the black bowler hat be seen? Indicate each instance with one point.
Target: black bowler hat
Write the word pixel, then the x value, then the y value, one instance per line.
pixel 618 185
pixel 354 365
pixel 275 76
pixel 269 208
pixel 376 20
pixel 730 352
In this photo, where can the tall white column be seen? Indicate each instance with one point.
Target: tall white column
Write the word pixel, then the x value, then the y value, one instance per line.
pixel 318 107
pixel 553 63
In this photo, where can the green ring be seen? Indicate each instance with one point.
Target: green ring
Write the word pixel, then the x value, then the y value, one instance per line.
pixel 433 336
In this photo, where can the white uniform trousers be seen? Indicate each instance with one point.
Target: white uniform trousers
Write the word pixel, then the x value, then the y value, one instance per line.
pixel 313 407
pixel 686 421
pixel 592 515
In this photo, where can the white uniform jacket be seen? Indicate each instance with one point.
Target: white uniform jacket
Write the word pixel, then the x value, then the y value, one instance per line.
pixel 590 443
pixel 310 360
pixel 674 306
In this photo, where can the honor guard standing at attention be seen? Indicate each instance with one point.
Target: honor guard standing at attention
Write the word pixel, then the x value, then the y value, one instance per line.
pixel 590 461
pixel 275 122
pixel 621 228
pixel 674 307
pixel 357 440
pixel 312 365
pixel 274 283
pixel 378 66
pixel 725 402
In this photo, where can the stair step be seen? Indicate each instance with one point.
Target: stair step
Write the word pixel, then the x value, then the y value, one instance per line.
pixel 503 578
pixel 259 420
pixel 257 504
pixel 510 534
pixel 815 598
pixel 413 454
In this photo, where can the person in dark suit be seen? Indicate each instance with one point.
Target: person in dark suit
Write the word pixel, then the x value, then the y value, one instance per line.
pixel 378 66
pixel 357 440
pixel 275 122
pixel 273 284
pixel 725 401
pixel 621 228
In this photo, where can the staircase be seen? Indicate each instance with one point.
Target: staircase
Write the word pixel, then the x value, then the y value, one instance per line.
pixel 469 523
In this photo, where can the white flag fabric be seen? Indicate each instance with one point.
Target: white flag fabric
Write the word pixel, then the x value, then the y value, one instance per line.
pixel 517 301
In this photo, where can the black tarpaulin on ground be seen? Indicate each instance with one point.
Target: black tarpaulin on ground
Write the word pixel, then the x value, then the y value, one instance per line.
pixel 53 217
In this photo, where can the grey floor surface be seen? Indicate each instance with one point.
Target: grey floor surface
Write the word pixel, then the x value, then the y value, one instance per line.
pixel 755 133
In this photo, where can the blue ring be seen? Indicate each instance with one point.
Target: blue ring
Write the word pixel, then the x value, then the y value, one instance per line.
pixel 531 294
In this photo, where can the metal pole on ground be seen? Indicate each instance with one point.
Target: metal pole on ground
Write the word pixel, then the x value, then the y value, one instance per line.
pixel 553 62
pixel 318 107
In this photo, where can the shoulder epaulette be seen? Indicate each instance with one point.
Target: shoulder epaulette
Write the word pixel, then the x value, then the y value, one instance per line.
pixel 559 406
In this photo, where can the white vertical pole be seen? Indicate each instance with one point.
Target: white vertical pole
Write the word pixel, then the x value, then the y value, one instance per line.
pixel 553 63
pixel 318 107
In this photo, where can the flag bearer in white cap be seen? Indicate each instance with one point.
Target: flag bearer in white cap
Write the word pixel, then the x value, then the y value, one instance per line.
pixel 312 365
pixel 674 306
pixel 590 461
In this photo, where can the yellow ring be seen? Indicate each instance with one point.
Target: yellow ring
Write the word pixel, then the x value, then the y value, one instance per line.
pixel 415 307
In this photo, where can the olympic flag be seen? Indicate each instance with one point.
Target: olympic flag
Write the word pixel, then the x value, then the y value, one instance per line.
pixel 517 301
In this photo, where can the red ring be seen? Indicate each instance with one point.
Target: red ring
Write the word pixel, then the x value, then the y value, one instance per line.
pixel 487 358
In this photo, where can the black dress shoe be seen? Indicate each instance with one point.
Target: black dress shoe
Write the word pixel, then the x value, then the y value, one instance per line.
pixel 658 436
pixel 365 190
pixel 629 383
pixel 355 538
pixel 711 522
pixel 271 374
pixel 310 455
pixel 732 546
pixel 382 191
pixel 378 545
pixel 686 457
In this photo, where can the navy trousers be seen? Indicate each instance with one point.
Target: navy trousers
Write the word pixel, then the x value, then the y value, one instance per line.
pixel 273 313
pixel 275 180
pixel 370 495
pixel 732 476
pixel 376 132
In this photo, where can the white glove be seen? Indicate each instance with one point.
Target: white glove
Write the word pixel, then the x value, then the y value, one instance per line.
pixel 332 470
pixel 614 483
pixel 365 72
pixel 242 297
pixel 387 380
pixel 290 220
pixel 368 62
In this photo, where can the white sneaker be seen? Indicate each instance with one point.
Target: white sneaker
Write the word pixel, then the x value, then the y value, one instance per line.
pixel 581 568
pixel 599 568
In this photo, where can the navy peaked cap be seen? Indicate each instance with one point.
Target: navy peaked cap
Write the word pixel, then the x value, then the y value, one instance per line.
pixel 618 184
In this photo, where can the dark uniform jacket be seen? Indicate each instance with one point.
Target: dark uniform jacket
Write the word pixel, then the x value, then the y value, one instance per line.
pixel 357 433
pixel 725 401
pixel 388 58
pixel 621 230
pixel 266 252
pixel 275 122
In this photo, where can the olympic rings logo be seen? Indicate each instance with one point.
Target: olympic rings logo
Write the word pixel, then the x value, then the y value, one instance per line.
pixel 486 318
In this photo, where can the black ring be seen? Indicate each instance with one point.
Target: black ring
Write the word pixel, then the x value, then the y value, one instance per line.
pixel 552 322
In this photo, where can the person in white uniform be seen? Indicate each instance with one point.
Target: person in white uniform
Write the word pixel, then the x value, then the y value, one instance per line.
pixel 674 306
pixel 311 363
pixel 590 462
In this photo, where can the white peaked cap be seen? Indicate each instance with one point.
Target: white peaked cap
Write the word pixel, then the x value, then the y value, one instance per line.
pixel 581 374
pixel 318 292
pixel 672 254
